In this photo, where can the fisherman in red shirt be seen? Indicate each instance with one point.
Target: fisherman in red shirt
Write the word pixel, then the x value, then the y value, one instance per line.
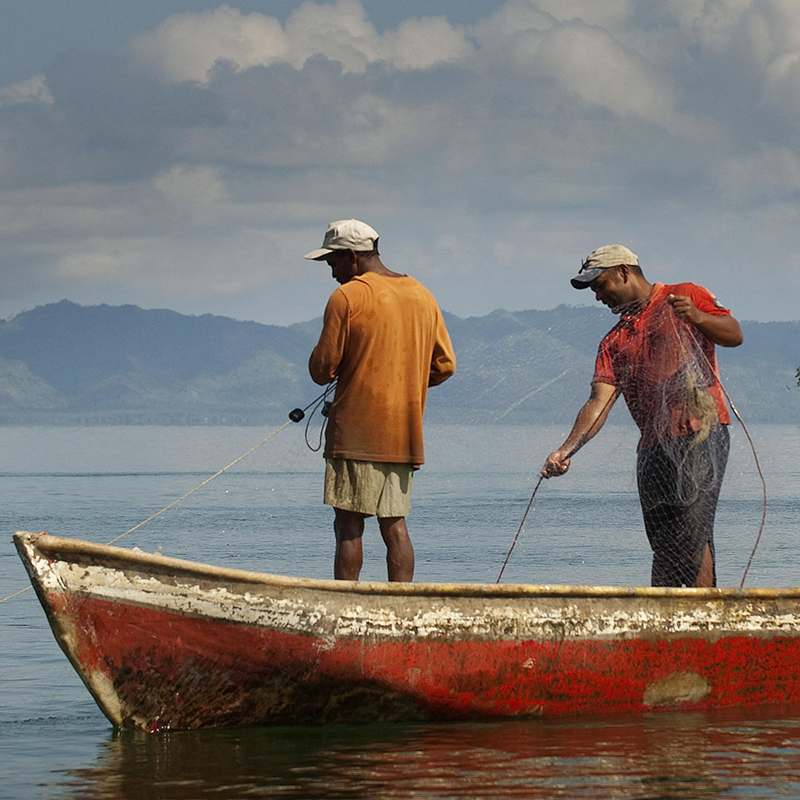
pixel 661 357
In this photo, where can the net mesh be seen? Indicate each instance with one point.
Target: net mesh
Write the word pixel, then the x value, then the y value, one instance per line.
pixel 666 371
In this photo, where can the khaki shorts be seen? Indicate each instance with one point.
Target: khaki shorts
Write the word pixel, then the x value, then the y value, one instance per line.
pixel 368 487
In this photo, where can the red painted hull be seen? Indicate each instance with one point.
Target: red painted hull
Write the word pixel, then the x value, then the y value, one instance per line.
pixel 154 667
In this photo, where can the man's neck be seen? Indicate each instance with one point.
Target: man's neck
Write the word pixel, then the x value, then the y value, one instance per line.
pixel 375 265
pixel 642 291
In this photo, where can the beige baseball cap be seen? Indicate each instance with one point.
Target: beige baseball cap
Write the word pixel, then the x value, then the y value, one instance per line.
pixel 346 234
pixel 610 255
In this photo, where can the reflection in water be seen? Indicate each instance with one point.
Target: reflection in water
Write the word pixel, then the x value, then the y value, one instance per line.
pixel 713 755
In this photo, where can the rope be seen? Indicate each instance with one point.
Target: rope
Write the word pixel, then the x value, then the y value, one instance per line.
pixel 583 440
pixel 180 499
pixel 321 401
pixel 750 441
pixel 201 485
pixel 763 487
pixel 519 530
pixel 16 594
pixel 233 463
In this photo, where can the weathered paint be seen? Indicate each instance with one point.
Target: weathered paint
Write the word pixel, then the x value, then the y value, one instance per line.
pixel 163 643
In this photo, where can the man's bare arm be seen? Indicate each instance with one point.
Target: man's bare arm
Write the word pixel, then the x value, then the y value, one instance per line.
pixel 590 419
pixel 722 329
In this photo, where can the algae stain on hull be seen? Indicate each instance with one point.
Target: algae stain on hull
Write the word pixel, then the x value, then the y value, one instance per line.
pixel 680 687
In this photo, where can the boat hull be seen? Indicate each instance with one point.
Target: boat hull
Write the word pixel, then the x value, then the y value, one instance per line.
pixel 168 644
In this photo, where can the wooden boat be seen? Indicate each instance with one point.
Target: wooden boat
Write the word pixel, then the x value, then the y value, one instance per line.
pixel 168 644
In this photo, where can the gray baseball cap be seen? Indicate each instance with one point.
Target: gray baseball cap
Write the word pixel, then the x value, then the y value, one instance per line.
pixel 610 255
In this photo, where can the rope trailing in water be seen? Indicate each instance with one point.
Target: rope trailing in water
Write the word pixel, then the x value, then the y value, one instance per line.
pixel 16 594
pixel 519 530
pixel 180 499
pixel 763 487
pixel 201 485
pixel 584 439
pixel 295 416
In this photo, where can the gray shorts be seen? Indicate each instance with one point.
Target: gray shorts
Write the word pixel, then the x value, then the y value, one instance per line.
pixel 679 484
pixel 368 487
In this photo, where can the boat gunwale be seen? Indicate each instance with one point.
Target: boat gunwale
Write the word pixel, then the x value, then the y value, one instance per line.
pixel 50 545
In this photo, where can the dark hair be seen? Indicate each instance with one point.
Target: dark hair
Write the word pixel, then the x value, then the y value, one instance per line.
pixel 634 268
pixel 370 253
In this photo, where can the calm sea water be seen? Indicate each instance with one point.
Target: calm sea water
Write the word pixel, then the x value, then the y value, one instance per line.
pixel 266 514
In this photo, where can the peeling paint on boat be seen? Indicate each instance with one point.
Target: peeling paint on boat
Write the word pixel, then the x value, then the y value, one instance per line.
pixel 163 643
pixel 505 622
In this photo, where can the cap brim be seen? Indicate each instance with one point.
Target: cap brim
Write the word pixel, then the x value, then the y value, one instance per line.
pixel 318 255
pixel 585 277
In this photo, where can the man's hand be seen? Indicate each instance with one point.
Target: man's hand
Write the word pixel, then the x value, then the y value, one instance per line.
pixel 557 464
pixel 685 309
pixel 722 329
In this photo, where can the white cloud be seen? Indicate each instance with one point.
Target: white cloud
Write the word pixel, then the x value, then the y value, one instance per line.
pixel 783 85
pixel 340 31
pixel 754 31
pixel 32 219
pixel 719 23
pixel 772 173
pixel 590 63
pixel 186 47
pixel 608 14
pixel 192 193
pixel 423 43
pixel 101 260
pixel 511 19
pixel 205 159
pixel 33 90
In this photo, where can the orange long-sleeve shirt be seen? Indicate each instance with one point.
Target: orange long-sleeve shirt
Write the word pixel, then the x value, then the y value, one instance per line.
pixel 385 339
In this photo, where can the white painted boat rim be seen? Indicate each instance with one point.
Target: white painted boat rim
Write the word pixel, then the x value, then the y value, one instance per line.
pixel 70 548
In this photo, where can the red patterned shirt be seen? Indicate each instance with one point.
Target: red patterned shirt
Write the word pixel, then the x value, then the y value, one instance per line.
pixel 665 368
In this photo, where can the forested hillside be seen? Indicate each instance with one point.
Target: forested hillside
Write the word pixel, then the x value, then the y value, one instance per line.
pixel 70 364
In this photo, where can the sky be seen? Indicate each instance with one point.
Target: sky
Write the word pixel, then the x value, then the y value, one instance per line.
pixel 186 154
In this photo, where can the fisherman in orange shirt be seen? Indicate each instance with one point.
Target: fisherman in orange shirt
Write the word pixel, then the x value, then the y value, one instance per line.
pixel 385 341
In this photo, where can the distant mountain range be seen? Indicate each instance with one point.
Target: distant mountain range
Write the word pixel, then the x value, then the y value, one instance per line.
pixel 77 365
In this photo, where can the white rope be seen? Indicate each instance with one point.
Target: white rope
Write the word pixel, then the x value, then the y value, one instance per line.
pixel 16 594
pixel 201 485
pixel 180 499
pixel 692 333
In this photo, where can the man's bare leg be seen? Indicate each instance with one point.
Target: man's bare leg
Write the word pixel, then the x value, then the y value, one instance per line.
pixel 349 528
pixel 706 575
pixel 399 550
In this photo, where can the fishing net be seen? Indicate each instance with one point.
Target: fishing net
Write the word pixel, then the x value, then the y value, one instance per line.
pixel 666 371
